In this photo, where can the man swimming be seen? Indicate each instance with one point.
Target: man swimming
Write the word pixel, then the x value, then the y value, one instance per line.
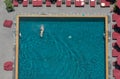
pixel 41 30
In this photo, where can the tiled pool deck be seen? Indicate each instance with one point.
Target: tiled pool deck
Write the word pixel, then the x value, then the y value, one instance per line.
pixel 7 36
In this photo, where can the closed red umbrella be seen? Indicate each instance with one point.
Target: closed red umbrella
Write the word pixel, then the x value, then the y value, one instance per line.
pixel 8 66
pixel 8 23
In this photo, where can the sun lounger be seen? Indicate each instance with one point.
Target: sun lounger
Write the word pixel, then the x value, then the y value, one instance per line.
pixel 15 3
pixel 48 3
pixel 92 3
pixel 39 3
pixel 82 3
pixel 68 3
pixel 115 35
pixel 102 4
pixel 79 3
pixel 105 3
pixel 25 3
pixel 34 3
pixel 115 53
pixel 59 3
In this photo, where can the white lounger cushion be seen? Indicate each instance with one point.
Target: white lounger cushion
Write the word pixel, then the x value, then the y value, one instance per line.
pixel 102 4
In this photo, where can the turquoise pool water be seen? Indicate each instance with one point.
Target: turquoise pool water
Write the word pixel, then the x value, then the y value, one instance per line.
pixel 71 48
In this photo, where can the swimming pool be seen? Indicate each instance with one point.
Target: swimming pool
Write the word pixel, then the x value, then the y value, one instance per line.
pixel 71 48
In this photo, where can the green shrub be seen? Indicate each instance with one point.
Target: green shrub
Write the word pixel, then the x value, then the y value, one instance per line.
pixel 114 7
pixel 9 5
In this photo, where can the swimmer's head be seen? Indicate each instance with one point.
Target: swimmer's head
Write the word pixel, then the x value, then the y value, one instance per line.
pixel 69 36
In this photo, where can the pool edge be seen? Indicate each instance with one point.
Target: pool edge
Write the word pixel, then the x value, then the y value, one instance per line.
pixel 17 36
pixel 17 44
pixel 106 40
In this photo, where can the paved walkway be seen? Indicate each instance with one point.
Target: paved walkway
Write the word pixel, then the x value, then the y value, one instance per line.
pixel 7 38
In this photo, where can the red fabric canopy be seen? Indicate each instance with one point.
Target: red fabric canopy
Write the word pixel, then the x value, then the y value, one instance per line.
pixel 8 66
pixel 8 23
pixel 118 3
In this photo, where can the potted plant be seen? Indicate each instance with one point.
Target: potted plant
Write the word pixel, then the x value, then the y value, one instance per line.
pixel 112 1
pixel 9 6
pixel 116 9
pixel 20 1
pixel 53 1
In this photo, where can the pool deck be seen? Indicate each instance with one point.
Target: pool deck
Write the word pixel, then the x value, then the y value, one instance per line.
pixel 7 35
